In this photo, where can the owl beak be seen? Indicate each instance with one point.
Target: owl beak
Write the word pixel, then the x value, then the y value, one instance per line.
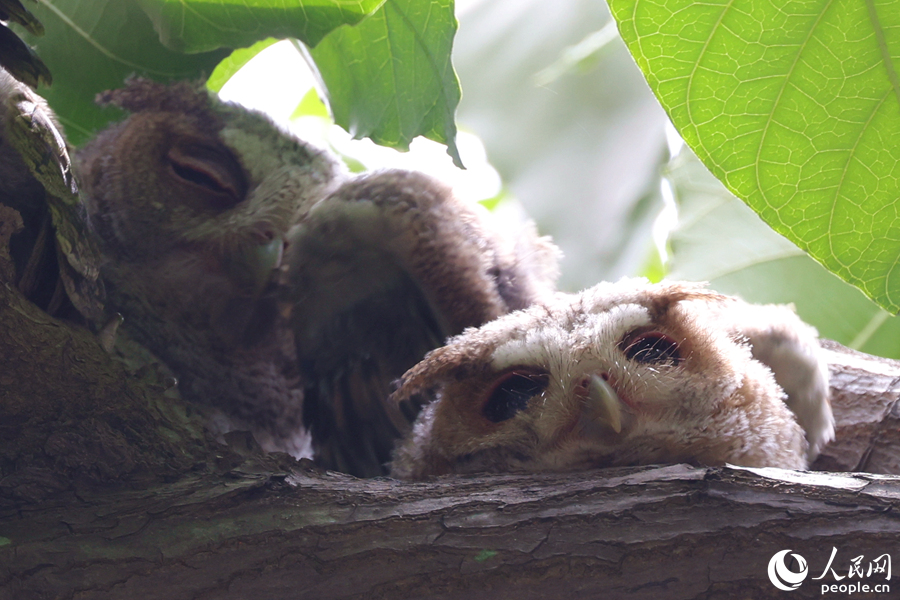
pixel 605 408
pixel 252 266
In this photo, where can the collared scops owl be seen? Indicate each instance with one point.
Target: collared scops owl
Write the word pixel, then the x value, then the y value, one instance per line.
pixel 625 373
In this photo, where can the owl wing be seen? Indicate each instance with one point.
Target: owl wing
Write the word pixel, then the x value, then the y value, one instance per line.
pixel 790 349
pixel 379 273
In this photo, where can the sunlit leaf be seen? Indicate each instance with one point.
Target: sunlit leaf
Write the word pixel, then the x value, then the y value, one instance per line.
pixel 205 25
pixel 795 106
pixel 389 78
pixel 235 61
pixel 398 60
pixel 310 106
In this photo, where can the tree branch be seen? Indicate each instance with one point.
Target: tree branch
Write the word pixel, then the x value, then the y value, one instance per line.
pixel 650 532
pixel 864 394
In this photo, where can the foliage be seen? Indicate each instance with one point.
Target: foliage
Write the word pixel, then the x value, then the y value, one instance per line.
pixel 192 26
pixel 795 107
pixel 389 77
pixel 406 79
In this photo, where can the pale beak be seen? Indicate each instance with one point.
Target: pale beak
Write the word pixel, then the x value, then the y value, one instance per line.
pixel 605 406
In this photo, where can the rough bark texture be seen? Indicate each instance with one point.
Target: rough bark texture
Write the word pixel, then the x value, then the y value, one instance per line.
pixel 864 394
pixel 658 532
pixel 69 414
pixel 109 489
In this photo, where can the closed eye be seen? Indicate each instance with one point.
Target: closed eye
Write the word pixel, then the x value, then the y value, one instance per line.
pixel 214 172
pixel 511 393
pixel 651 347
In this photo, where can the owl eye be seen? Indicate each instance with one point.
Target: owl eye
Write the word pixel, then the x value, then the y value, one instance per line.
pixel 651 347
pixel 214 171
pixel 511 394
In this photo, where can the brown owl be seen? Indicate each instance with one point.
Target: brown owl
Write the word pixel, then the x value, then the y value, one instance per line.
pixel 285 294
pixel 623 373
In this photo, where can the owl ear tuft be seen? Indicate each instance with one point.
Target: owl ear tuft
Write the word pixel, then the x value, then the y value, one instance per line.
pixel 671 294
pixel 140 94
pixel 453 362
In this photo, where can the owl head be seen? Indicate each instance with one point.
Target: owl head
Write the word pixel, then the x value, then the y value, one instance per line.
pixel 623 373
pixel 187 173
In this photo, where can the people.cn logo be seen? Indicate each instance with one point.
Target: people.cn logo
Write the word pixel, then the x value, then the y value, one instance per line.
pixel 781 576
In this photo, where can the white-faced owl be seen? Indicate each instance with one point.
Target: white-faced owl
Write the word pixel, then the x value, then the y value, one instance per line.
pixel 625 373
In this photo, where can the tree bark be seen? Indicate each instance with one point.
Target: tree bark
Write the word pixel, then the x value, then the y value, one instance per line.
pixel 864 394
pixel 653 532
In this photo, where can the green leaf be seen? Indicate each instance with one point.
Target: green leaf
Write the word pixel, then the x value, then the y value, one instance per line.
pixel 91 46
pixel 311 106
pixel 720 240
pixel 795 106
pixel 205 25
pixel 398 60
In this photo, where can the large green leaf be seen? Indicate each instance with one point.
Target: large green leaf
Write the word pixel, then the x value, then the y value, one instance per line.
pixel 795 106
pixel 91 46
pixel 389 78
pixel 720 240
pixel 204 25
pixel 398 60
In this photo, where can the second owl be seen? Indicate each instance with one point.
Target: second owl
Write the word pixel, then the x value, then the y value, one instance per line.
pixel 625 373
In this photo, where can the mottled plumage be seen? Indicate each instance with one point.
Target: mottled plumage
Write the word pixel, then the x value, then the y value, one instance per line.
pixel 623 373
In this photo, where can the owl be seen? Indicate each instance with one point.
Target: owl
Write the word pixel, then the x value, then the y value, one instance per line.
pixel 625 373
pixel 285 294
